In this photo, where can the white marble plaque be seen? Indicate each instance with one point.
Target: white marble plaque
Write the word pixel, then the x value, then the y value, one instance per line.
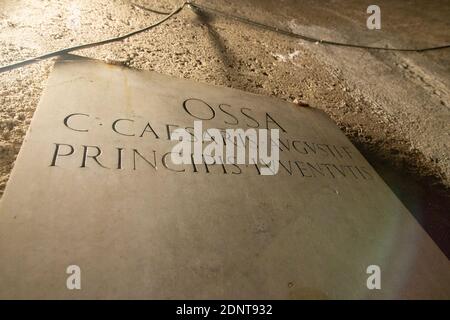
pixel 94 187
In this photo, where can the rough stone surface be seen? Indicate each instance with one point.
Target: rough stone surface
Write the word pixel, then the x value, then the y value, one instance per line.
pixel 394 106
